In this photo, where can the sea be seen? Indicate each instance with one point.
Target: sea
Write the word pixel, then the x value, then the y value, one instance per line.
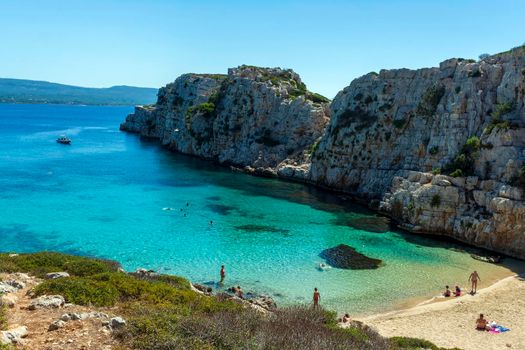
pixel 113 195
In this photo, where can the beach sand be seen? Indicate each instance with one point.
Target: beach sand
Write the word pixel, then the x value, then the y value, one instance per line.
pixel 451 323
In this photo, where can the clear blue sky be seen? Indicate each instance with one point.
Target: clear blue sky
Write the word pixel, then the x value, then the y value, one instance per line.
pixel 329 43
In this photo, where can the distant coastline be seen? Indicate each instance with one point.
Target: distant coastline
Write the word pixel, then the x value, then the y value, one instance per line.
pixel 21 91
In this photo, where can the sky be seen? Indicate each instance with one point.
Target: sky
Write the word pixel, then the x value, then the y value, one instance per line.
pixel 100 43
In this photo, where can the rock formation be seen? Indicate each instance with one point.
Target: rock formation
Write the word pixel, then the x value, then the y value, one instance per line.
pixel 441 150
pixel 260 119
pixel 346 257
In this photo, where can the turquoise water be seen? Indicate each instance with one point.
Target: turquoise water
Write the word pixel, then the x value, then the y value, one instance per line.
pixel 104 196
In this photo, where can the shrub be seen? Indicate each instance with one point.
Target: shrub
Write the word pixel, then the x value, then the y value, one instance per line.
pixel 502 109
pixel 3 318
pixel 430 100
pixel 483 56
pixel 313 148
pixel 206 109
pixel 288 328
pixel 457 89
pixel 316 98
pixel 472 145
pixel 433 150
pixel 436 171
pixel 457 173
pixel 39 264
pixel 435 201
pixel 81 291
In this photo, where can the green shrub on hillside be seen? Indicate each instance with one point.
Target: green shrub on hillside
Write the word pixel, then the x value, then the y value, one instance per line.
pixel 430 100
pixel 39 264
pixel 463 163
pixel 404 343
pixel 496 122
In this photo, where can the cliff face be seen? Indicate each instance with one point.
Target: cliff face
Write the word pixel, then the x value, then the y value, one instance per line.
pixel 261 119
pixel 391 134
pixel 441 150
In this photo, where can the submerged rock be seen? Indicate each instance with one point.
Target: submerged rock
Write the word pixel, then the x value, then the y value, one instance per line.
pixel 346 257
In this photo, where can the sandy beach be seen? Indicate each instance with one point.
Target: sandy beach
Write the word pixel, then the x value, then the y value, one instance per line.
pixel 450 323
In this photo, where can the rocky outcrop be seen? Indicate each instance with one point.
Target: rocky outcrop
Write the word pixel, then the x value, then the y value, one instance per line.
pixel 346 257
pixel 391 132
pixel 260 119
pixel 389 138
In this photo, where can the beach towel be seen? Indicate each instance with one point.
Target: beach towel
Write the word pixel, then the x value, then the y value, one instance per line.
pixel 496 329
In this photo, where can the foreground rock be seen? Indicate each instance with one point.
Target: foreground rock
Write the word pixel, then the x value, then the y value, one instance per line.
pixel 47 302
pixel 14 335
pixel 346 257
pixel 55 275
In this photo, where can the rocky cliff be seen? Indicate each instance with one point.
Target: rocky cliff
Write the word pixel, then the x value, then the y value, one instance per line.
pixel 441 150
pixel 261 119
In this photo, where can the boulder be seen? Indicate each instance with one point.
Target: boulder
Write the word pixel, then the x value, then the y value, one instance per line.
pixel 16 284
pixel 346 257
pixel 117 322
pixel 47 302
pixel 55 275
pixel 6 288
pixel 56 325
pixel 13 336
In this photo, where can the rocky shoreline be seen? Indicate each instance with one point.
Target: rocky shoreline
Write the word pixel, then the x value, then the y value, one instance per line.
pixel 440 150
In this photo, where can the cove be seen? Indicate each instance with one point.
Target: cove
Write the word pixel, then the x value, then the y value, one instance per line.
pixel 104 196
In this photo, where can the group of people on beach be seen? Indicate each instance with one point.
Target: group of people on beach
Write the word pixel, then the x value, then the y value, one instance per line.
pixel 473 279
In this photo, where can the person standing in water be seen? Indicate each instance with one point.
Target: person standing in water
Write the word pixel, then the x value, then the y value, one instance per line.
pixel 223 275
pixel 474 278
pixel 317 296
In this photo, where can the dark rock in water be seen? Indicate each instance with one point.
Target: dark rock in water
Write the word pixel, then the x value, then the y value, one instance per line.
pixel 378 224
pixel 493 259
pixel 221 209
pixel 346 257
pixel 261 228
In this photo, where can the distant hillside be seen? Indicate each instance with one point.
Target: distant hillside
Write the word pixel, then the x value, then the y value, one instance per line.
pixel 32 91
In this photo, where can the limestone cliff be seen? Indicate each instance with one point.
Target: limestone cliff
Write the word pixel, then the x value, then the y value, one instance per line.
pixel 441 150
pixel 391 134
pixel 260 119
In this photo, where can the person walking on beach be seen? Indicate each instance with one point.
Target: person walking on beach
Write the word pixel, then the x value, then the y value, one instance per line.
pixel 474 278
pixel 223 274
pixel 317 296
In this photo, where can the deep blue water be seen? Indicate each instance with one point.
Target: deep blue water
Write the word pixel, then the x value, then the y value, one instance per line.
pixel 104 196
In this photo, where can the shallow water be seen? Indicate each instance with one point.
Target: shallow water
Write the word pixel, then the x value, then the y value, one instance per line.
pixel 108 195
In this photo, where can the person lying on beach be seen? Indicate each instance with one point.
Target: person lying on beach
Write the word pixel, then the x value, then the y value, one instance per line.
pixel 457 292
pixel 447 292
pixel 482 323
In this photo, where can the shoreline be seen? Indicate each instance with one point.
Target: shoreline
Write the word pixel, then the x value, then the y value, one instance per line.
pixel 451 322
